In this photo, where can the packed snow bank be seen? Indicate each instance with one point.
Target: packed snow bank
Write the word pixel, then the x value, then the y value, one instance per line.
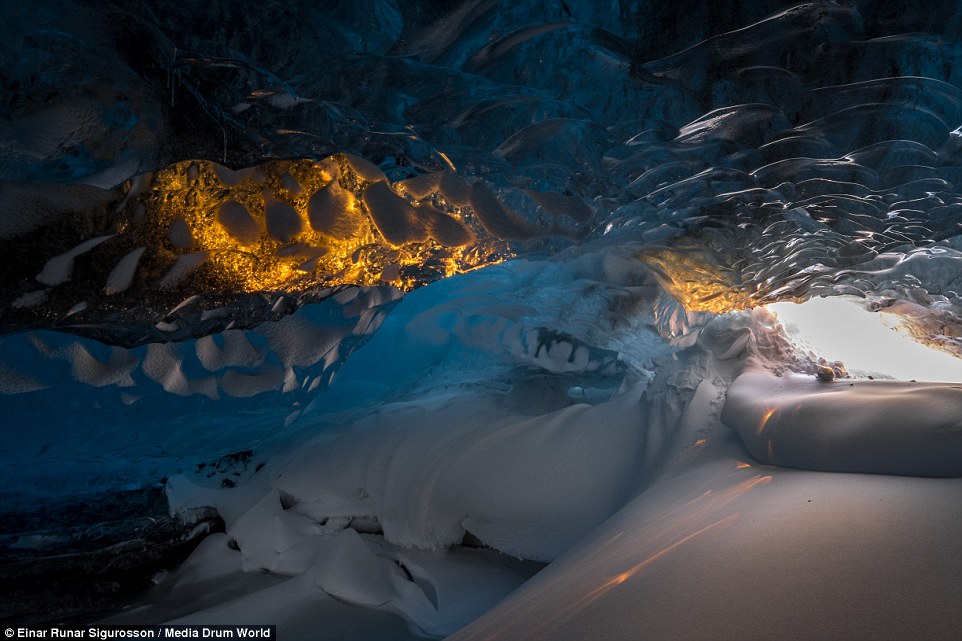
pixel 508 407
pixel 431 469
pixel 884 427
pixel 359 587
pixel 505 402
pixel 726 550
pixel 467 419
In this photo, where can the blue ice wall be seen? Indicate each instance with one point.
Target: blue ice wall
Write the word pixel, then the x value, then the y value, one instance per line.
pixel 808 148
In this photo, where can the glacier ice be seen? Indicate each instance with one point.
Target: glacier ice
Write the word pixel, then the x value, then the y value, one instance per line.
pixel 402 290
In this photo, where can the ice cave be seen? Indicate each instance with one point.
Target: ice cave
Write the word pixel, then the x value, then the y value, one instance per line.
pixel 386 320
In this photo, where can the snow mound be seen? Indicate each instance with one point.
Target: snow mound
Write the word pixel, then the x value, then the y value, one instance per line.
pixel 883 427
pixel 430 470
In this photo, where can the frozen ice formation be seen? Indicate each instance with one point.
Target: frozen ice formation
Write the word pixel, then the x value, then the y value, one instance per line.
pixel 59 269
pixel 885 427
pixel 793 182
pixel 527 486
pixel 402 291
pixel 108 394
pixel 284 227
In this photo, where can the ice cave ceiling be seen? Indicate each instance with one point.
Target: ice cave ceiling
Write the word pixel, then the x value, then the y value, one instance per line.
pixel 536 215
pixel 154 151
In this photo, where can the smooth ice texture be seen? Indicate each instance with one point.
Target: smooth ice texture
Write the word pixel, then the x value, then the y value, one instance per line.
pixel 283 222
pixel 238 222
pixel 184 264
pixel 122 275
pixel 395 218
pixel 801 160
pixel 883 427
pixel 330 211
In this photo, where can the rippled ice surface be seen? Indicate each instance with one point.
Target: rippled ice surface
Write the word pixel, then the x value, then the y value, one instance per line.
pixel 809 149
pixel 187 189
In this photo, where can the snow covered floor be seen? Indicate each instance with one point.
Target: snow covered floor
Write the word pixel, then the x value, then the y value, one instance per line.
pixel 534 413
pixel 358 592
pixel 729 549
pixel 484 413
pixel 718 546
pixel 885 427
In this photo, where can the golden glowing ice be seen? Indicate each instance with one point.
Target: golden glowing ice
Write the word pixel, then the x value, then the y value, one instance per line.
pixel 292 224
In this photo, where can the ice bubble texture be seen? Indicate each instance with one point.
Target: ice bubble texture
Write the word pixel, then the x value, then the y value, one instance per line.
pixel 184 178
pixel 807 149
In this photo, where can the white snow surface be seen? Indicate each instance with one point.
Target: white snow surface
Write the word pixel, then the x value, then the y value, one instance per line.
pixel 655 520
pixel 432 468
pixel 886 427
pixel 727 549
pixel 122 275
pixel 59 269
pixel 546 412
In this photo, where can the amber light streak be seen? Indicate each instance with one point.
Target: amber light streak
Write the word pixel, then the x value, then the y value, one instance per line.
pixel 621 577
pixel 676 525
pixel 765 418
pixel 739 489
